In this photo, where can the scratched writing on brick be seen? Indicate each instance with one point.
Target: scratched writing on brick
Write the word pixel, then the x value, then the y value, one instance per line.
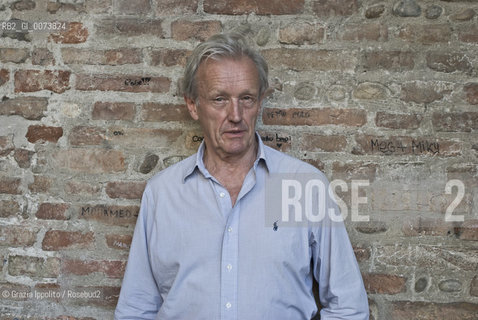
pixel 137 82
pixel 413 147
pixel 284 113
pixel 104 211
pixel 276 139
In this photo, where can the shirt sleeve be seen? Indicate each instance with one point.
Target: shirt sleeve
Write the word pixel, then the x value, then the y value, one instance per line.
pixel 341 289
pixel 139 297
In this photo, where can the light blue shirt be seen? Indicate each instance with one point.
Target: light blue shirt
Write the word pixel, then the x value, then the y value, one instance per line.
pixel 194 256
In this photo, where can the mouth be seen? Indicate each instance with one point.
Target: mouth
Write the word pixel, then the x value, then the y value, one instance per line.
pixel 234 133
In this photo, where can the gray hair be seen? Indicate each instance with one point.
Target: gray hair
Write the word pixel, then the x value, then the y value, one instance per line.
pixel 219 46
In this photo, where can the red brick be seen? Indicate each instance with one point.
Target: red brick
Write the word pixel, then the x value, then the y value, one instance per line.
pixel 134 137
pixel 367 32
pixel 55 240
pixel 33 266
pixel 418 226
pixel 111 269
pixel 130 27
pixel 110 214
pixel 119 241
pixel 384 283
pixel 325 8
pixel 468 33
pixel 308 59
pixel 15 55
pixel 426 34
pixel 468 230
pixel 314 117
pixel 82 135
pixel 471 90
pixel 113 111
pixel 449 62
pixel 9 208
pixel 388 60
pixel 17 236
pixel 278 140
pixel 125 189
pixel 199 30
pixel 4 76
pixel 10 185
pixel 31 108
pixel 405 145
pixel 42 57
pixel 40 133
pixel 455 122
pixel 52 211
pixel 102 57
pixel 239 7
pixel 405 310
pixel 82 188
pixel 176 7
pixel 398 121
pixel 158 112
pixel 170 57
pixel 421 92
pixel 125 83
pixel 35 80
pixel 89 160
pixel 75 33
pixel 41 184
pixel 132 7
pixel 330 143
pixel 23 157
pixel 299 33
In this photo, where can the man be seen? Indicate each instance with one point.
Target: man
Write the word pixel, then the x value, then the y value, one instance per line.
pixel 201 248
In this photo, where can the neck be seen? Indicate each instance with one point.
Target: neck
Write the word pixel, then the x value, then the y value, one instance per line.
pixel 230 164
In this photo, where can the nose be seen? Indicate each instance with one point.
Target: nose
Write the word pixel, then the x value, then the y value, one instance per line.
pixel 235 111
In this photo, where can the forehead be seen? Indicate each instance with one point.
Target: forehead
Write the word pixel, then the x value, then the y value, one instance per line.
pixel 228 73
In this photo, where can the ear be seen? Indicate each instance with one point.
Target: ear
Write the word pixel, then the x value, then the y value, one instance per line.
pixel 191 104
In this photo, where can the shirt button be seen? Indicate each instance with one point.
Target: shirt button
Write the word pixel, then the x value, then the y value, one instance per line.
pixel 222 194
pixel 229 267
pixel 229 229
pixel 228 305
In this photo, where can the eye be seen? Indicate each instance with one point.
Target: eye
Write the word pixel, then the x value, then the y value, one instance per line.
pixel 248 100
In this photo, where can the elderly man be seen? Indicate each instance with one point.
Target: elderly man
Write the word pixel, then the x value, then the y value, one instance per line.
pixel 201 247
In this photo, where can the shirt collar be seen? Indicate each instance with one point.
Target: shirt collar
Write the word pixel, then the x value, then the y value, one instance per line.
pixel 199 163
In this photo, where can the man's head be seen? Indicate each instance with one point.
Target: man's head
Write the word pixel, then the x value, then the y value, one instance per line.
pixel 224 83
pixel 218 47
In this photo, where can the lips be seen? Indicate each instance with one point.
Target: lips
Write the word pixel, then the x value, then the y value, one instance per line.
pixel 234 132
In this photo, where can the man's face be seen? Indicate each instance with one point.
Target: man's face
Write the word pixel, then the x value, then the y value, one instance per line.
pixel 228 105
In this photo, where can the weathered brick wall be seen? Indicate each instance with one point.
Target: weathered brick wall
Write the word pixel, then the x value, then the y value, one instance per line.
pixel 382 91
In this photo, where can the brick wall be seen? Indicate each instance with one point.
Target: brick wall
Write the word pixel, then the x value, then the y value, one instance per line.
pixel 383 91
